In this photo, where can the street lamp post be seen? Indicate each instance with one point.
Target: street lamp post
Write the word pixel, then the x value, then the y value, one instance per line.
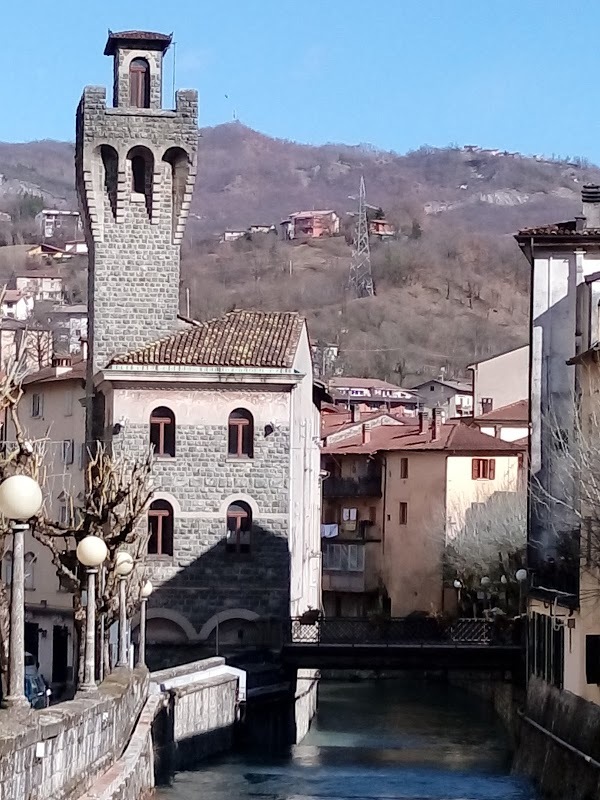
pixel 91 552
pixel 20 499
pixel 521 576
pixel 123 568
pixel 144 594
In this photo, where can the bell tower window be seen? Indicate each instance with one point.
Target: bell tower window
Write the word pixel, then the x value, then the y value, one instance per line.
pixel 139 83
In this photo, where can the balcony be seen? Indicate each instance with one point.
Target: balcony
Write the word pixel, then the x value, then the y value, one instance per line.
pixel 344 569
pixel 365 486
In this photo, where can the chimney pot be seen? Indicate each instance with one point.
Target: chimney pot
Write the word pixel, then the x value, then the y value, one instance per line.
pixel 436 425
pixel 422 421
pixel 355 412
pixel 366 433
pixel 590 196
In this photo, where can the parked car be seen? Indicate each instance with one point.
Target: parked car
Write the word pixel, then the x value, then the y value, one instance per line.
pixel 36 690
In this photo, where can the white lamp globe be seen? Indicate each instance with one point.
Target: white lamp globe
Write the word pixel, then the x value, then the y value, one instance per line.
pixel 485 581
pixel 504 579
pixel 20 497
pixel 123 564
pixel 147 590
pixel 521 575
pixel 91 551
pixel 457 584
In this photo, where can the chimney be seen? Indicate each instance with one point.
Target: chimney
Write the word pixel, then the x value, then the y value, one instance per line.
pixel 355 411
pixel 422 422
pixel 590 196
pixel 366 433
pixel 84 347
pixel 436 425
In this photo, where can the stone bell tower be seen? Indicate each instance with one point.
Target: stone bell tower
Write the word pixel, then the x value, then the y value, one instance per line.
pixel 135 166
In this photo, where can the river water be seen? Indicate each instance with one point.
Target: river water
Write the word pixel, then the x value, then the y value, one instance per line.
pixel 381 739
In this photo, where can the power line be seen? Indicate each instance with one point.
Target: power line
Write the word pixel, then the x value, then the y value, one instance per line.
pixel 361 278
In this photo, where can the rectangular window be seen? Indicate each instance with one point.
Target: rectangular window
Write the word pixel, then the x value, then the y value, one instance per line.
pixel 487 404
pixel 403 514
pixel 69 403
pixel 404 468
pixel 483 469
pixel 546 649
pixel 344 557
pixel 36 405
pixel 592 659
pixel 68 447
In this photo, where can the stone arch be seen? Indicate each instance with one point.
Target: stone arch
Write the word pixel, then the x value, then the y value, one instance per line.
pixel 154 63
pixel 176 628
pixel 157 400
pixel 178 165
pixel 110 163
pixel 160 495
pixel 140 165
pixel 238 496
pixel 224 616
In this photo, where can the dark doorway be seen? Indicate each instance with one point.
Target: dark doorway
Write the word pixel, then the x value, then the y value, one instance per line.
pixel 60 651
pixel 32 639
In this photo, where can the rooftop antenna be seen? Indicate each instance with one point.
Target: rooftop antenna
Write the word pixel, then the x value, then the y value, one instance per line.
pixel 361 278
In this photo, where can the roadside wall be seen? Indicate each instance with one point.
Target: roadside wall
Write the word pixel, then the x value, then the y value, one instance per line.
pixel 559 772
pixel 59 752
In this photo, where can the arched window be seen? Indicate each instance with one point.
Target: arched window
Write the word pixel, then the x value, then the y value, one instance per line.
pixel 138 175
pixel 239 528
pixel 241 434
pixel 7 568
pixel 110 161
pixel 29 571
pixel 162 432
pixel 139 83
pixel 160 528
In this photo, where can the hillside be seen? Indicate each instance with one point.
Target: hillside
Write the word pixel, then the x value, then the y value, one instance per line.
pixel 451 289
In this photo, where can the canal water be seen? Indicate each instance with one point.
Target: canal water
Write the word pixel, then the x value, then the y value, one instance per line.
pixel 390 739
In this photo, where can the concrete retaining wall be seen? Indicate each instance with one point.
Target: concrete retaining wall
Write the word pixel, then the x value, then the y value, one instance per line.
pixel 559 772
pixel 307 684
pixel 59 752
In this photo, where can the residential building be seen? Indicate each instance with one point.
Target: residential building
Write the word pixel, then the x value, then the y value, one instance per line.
pixel 564 618
pixel 76 248
pixel 233 236
pixel 58 223
pixel 53 414
pixel 19 339
pixel 16 305
pixel 381 228
pixel 69 326
pixel 262 229
pixel 40 283
pixel 500 380
pixel 510 423
pixel 310 225
pixel 46 253
pixel 228 405
pixel 455 398
pixel 324 355
pixel 394 495
pixel 372 393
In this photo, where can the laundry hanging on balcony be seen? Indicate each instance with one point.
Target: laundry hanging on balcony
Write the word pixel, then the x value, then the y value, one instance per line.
pixel 329 531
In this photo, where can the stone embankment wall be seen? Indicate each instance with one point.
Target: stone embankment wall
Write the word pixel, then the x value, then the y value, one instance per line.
pixel 559 770
pixel 59 752
pixel 307 684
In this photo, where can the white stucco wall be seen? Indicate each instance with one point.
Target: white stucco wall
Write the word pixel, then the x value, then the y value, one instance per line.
pixel 504 378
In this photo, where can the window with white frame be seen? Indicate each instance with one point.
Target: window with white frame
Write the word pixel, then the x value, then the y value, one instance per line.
pixel 344 557
pixel 68 447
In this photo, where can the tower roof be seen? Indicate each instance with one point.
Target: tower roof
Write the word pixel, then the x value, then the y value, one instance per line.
pixel 146 40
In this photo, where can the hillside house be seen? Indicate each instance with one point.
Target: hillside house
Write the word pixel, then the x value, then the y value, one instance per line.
pixel 76 248
pixel 16 305
pixel 232 235
pixel 509 423
pixel 310 225
pixel 381 228
pixel 58 223
pixel 455 398
pixel 40 283
pixel 395 492
pixel 372 393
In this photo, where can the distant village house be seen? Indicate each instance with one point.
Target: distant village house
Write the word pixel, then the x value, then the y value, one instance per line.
pixel 310 225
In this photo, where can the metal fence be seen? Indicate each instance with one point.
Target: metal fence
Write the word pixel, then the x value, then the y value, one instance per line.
pixel 401 630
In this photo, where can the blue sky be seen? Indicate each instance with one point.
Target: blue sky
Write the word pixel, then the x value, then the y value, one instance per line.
pixel 395 73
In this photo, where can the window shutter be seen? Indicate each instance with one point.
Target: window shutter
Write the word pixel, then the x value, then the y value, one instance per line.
pixel 492 470
pixel 474 469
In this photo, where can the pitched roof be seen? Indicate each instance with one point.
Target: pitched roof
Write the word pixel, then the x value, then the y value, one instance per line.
pixel 460 386
pixel 77 371
pixel 237 339
pixel 567 228
pixel 513 412
pixel 156 41
pixel 455 437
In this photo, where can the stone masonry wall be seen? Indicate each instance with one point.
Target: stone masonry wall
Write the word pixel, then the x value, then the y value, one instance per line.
pixel 202 579
pixel 133 241
pixel 57 753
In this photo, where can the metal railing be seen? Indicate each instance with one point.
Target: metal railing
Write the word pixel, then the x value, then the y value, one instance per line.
pixel 397 631
pixel 364 486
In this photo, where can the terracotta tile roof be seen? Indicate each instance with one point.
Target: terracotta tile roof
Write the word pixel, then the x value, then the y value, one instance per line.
pixel 455 437
pixel 237 339
pixel 334 423
pixel 567 228
pixel 514 412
